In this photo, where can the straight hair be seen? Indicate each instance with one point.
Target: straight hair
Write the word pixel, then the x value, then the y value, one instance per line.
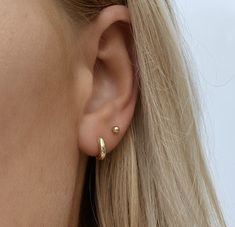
pixel 157 175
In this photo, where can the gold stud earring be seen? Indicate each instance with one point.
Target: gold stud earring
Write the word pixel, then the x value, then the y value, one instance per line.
pixel 102 149
pixel 115 129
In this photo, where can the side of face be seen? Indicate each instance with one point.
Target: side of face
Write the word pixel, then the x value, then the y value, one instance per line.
pixel 35 74
pixel 60 84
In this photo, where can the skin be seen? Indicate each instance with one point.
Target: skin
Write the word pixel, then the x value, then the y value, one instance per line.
pixel 55 103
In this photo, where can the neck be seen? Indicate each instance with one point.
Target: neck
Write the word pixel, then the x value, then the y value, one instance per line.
pixel 41 187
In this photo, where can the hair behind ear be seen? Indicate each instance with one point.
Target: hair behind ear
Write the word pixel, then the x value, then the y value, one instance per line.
pixel 157 175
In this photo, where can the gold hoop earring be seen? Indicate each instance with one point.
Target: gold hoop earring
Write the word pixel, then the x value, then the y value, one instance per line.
pixel 102 149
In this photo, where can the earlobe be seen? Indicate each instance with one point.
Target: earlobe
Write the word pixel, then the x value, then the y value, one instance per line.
pixel 109 110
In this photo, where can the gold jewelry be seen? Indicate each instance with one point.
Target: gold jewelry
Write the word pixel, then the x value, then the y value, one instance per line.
pixel 102 149
pixel 115 129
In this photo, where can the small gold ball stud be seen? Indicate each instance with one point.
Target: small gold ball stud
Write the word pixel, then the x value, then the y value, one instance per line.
pixel 116 130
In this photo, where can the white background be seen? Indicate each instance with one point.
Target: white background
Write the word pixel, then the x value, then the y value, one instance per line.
pixel 209 28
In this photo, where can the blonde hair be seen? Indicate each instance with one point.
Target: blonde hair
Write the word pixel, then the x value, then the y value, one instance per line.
pixel 157 175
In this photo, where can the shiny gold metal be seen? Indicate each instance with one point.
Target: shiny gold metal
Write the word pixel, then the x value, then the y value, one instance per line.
pixel 102 149
pixel 116 130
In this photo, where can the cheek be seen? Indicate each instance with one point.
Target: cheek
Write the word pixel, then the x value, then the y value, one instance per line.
pixel 29 49
pixel 33 69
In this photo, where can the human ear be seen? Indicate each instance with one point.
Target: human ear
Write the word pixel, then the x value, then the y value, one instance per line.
pixel 114 89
